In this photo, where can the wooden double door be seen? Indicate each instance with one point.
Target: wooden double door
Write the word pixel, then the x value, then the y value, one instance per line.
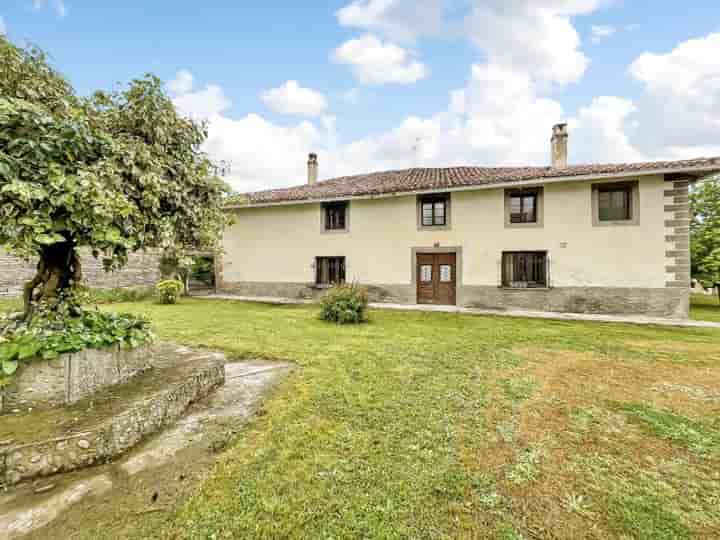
pixel 436 278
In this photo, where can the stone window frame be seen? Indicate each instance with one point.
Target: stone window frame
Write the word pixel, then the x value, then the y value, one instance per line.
pixel 634 220
pixel 448 211
pixel 539 222
pixel 323 217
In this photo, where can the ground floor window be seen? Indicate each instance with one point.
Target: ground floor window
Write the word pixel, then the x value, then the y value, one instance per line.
pixel 524 269
pixel 329 270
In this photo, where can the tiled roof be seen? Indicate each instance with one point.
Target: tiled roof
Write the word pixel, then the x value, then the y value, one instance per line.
pixel 411 180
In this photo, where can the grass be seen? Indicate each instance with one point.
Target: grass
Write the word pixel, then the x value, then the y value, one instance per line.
pixel 705 308
pixel 434 425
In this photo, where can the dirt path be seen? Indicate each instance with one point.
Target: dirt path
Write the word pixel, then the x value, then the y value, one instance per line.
pixel 134 496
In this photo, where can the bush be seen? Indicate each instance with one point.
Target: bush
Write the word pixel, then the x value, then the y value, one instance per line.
pixel 119 294
pixel 345 304
pixel 169 291
pixel 48 336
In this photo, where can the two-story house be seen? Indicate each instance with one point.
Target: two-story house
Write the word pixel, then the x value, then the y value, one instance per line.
pixel 581 238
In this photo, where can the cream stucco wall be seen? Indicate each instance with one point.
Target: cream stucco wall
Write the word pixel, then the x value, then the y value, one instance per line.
pixel 280 243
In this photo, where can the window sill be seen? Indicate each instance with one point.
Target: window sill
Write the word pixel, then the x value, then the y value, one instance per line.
pixel 524 288
pixel 532 225
pixel 335 231
pixel 434 228
pixel 623 223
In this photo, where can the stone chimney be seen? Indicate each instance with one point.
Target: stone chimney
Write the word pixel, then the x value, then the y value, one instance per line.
pixel 560 146
pixel 312 168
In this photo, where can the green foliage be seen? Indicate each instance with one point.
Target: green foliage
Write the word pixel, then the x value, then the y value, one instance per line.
pixel 119 294
pixel 48 336
pixel 169 291
pixel 345 304
pixel 117 172
pixel 705 232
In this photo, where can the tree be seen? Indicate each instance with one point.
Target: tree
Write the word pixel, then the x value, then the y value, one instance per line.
pixel 705 233
pixel 115 173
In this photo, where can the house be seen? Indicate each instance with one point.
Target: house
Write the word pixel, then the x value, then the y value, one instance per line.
pixel 565 238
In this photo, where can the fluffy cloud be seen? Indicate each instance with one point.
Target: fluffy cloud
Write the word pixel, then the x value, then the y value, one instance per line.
pixel 600 132
pixel 536 36
pixel 680 109
pixel 291 98
pixel 400 20
pixel 197 104
pixel 599 32
pixel 182 83
pixel 377 62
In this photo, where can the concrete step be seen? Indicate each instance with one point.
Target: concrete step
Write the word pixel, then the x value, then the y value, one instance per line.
pixel 44 441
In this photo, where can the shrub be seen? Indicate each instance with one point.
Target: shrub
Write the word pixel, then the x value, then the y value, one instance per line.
pixel 345 304
pixel 48 335
pixel 169 291
pixel 119 294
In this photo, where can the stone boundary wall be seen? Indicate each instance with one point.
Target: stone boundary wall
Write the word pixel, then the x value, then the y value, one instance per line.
pixel 142 270
pixel 71 377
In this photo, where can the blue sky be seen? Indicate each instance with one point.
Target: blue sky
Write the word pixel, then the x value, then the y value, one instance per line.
pixel 374 77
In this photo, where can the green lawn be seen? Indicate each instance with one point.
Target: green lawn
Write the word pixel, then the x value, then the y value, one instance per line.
pixel 705 308
pixel 429 425
pixel 432 425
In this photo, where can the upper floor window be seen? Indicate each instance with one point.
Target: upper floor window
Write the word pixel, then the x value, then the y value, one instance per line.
pixel 614 203
pixel 523 207
pixel 434 210
pixel 335 216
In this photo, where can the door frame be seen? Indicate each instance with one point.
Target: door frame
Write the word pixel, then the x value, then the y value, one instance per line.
pixel 457 250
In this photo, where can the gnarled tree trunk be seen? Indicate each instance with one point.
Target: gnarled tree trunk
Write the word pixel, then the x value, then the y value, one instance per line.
pixel 58 272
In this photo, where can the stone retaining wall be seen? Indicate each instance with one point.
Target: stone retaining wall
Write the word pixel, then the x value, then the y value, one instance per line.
pixel 142 269
pixel 71 377
pixel 113 436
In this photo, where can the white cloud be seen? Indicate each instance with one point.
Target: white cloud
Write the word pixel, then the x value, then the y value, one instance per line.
pixel 599 133
pixel 291 98
pixel 400 20
pixel 536 36
pixel 680 108
pixel 3 26
pixel 376 62
pixel 197 104
pixel 182 83
pixel 59 6
pixel 599 32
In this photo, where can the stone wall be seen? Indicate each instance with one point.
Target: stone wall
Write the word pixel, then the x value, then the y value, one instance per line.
pixel 142 269
pixel 71 377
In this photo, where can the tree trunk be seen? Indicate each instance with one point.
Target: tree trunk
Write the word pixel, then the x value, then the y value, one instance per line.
pixel 59 273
